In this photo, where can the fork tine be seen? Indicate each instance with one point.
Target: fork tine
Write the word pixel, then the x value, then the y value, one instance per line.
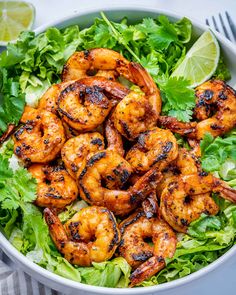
pixel 215 24
pixel 231 24
pixel 207 22
pixel 223 26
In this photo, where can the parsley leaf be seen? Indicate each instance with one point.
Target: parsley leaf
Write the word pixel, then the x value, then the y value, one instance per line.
pixel 178 98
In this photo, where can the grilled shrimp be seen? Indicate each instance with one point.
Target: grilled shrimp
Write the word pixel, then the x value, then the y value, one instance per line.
pixel 215 110
pixel 138 112
pixel 41 138
pixel 77 148
pixel 185 164
pixel 101 177
pixel 146 259
pixel 105 59
pixel 91 235
pixel 49 99
pixel 185 196
pixel 155 147
pixel 55 187
pixel 180 208
pixel 107 62
pixel 83 104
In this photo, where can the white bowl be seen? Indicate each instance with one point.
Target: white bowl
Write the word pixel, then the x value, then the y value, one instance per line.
pixel 184 285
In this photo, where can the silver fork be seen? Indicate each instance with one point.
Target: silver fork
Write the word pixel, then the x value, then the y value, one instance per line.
pixel 223 24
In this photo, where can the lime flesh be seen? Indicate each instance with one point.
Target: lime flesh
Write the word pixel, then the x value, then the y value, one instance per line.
pixel 15 17
pixel 200 61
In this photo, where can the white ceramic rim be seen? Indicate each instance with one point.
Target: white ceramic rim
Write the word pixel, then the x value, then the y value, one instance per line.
pixel 9 249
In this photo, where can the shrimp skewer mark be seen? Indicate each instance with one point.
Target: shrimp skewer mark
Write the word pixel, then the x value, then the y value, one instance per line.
pixel 91 235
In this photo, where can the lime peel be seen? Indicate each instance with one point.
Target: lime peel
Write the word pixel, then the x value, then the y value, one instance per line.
pixel 200 61
pixel 15 17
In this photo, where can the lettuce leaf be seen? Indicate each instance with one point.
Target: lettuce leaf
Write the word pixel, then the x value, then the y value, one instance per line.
pixel 219 156
pixel 12 100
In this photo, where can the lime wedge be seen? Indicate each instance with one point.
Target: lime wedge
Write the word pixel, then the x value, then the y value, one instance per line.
pixel 15 17
pixel 200 61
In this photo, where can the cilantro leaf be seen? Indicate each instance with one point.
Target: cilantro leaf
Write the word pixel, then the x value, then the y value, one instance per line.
pixel 163 34
pixel 178 98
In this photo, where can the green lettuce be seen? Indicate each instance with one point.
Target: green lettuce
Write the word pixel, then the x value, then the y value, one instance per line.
pixel 207 239
pixel 219 156
pixel 23 223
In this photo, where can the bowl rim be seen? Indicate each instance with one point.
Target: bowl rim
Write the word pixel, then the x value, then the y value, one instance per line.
pixel 9 249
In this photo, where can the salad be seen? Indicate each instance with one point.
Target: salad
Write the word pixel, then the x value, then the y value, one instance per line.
pixel 29 67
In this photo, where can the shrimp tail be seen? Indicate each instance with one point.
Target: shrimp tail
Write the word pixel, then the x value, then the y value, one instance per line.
pixel 184 129
pixel 6 134
pixel 145 185
pixel 114 138
pixel 149 268
pixel 224 190
pixel 150 206
pixel 56 229
pixel 141 77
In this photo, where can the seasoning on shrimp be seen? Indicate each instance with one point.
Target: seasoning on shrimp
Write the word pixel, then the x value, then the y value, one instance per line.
pixel 155 147
pixel 138 112
pixel 76 149
pixel 55 187
pixel 49 99
pixel 215 110
pixel 80 63
pixel 41 138
pixel 145 259
pixel 91 235
pixel 184 197
pixel 113 137
pixel 101 177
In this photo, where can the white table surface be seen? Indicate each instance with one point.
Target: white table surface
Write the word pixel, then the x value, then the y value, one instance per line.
pixel 221 282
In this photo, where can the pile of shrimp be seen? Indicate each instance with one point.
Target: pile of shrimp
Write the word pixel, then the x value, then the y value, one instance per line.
pixel 92 138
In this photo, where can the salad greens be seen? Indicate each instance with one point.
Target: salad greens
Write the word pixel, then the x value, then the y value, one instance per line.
pixel 23 224
pixel 33 63
pixel 30 66
pixel 219 156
